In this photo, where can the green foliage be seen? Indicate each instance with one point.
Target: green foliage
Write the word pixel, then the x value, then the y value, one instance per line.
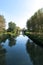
pixel 11 27
pixel 2 23
pixel 35 23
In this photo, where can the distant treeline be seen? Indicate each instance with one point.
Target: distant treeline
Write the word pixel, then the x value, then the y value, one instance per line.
pixel 11 26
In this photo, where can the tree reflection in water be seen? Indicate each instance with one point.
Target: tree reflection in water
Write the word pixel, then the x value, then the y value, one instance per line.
pixel 3 39
pixel 2 55
pixel 35 52
pixel 2 50
pixel 12 41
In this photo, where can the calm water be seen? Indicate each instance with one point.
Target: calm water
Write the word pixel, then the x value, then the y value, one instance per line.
pixel 20 51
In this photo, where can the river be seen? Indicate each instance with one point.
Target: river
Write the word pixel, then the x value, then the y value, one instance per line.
pixel 20 51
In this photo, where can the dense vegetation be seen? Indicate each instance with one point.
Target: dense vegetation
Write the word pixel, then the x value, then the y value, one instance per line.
pixel 2 23
pixel 12 28
pixel 35 27
pixel 35 23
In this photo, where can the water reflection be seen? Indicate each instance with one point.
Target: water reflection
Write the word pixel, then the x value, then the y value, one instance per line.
pixel 12 41
pixel 35 52
pixel 3 38
pixel 19 51
pixel 3 51
pixel 10 38
pixel 2 55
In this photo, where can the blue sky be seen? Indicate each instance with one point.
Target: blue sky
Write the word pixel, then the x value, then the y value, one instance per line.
pixel 19 11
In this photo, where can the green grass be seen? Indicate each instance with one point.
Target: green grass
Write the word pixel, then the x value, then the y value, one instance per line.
pixel 37 38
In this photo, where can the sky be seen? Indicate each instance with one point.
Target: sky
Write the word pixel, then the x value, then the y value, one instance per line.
pixel 19 11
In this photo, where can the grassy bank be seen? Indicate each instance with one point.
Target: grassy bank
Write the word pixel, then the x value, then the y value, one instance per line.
pixel 37 38
pixel 9 33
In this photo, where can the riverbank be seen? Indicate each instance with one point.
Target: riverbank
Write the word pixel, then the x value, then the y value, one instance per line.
pixel 9 33
pixel 38 39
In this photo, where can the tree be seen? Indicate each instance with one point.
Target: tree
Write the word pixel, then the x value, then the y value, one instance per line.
pixel 17 30
pixel 11 26
pixel 2 23
pixel 35 23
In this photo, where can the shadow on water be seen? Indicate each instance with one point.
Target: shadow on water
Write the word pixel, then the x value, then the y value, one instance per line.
pixel 35 52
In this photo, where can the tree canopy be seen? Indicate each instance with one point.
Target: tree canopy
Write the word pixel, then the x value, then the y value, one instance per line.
pixel 11 26
pixel 2 23
pixel 35 23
